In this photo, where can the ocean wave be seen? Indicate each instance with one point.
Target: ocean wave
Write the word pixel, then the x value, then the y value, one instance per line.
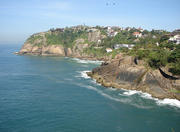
pixel 83 74
pixel 172 102
pixel 94 82
pixel 112 89
pixel 142 94
pixel 87 61
pixel 104 94
pixel 166 101
pixel 147 96
pixel 121 100
pixel 130 92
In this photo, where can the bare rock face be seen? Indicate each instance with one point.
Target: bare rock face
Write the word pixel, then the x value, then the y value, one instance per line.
pixel 68 52
pixel 122 72
pixel 53 49
pixel 42 50
pixel 35 49
pixel 26 48
pixel 32 48
pixel 78 48
pixel 95 36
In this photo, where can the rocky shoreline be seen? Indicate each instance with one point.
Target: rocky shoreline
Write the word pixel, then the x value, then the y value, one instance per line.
pixel 58 51
pixel 123 72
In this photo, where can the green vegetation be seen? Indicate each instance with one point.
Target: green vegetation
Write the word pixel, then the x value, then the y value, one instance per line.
pixel 174 60
pixel 127 37
pixel 32 38
pixel 102 30
pixel 165 55
pixel 65 38
pixel 117 51
pixel 153 47
pixel 100 52
pixel 124 37
pixel 174 91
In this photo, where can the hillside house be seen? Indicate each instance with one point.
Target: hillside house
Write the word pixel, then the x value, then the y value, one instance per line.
pixel 108 50
pixel 137 34
pixel 175 39
pixel 118 46
pixel 111 32
pixel 140 29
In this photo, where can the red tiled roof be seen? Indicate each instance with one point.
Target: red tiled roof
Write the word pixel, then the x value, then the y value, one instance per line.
pixel 136 33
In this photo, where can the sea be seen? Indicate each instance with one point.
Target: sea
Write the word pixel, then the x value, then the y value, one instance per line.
pixel 54 94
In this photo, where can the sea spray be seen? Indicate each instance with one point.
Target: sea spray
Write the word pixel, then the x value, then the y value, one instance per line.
pixel 171 102
pixel 87 61
pixel 83 74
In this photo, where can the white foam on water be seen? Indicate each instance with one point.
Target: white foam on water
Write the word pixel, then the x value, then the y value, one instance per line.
pixel 94 82
pixel 108 96
pixel 112 89
pixel 172 102
pixel 166 101
pixel 102 93
pixel 130 92
pixel 121 94
pixel 147 96
pixel 87 61
pixel 122 100
pixel 83 74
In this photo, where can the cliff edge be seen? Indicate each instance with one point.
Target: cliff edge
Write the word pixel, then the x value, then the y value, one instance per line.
pixel 124 72
pixel 71 42
pixel 121 71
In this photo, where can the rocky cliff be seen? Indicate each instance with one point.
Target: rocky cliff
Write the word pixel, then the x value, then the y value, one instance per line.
pixel 122 72
pixel 70 42
pixel 125 72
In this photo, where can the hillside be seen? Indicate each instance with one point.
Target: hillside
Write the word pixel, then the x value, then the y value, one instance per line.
pixel 134 58
pixel 158 48
pixel 125 72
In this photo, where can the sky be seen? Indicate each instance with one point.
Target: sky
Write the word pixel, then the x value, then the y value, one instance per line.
pixel 21 18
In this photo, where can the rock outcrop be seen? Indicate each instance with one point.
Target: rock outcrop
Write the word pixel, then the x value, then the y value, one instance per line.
pixel 123 72
pixel 38 44
pixel 42 50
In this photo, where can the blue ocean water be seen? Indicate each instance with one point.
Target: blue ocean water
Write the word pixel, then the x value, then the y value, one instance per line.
pixel 53 94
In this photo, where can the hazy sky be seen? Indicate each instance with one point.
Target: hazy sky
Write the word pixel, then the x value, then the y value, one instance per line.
pixel 21 18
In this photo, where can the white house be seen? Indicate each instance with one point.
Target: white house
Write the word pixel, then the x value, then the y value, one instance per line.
pixel 175 39
pixel 171 39
pixel 137 34
pixel 140 29
pixel 177 36
pixel 178 41
pixel 130 46
pixel 108 50
pixel 99 41
pixel 109 28
pixel 118 46
pixel 157 43
pixel 115 33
